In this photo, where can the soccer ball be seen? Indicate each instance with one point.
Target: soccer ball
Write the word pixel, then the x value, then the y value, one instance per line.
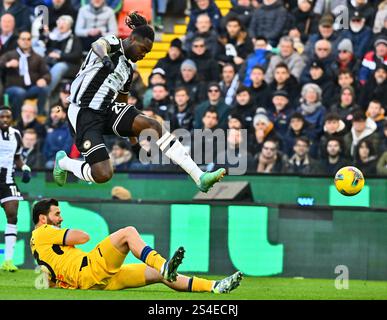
pixel 349 181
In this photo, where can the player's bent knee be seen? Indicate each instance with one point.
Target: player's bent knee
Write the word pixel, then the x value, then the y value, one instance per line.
pixel 131 230
pixel 102 177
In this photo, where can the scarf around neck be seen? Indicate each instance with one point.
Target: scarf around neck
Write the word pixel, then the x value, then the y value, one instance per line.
pixel 23 66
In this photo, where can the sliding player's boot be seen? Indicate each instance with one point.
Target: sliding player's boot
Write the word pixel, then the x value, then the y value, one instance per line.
pixel 60 175
pixel 8 266
pixel 208 179
pixel 170 269
pixel 228 284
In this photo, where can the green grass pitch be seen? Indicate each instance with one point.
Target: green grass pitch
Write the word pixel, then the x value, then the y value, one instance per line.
pixel 20 286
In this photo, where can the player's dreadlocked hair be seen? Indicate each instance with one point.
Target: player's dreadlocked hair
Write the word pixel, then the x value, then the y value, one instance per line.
pixel 140 26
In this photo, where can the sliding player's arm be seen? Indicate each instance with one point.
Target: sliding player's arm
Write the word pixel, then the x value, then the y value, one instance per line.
pixel 73 237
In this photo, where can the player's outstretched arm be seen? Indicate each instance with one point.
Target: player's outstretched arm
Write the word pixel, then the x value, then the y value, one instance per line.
pixel 74 237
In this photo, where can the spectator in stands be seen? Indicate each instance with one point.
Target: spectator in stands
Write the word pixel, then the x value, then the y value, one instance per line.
pixel 216 101
pixel 365 157
pixel 182 114
pixel 235 155
pixel 346 105
pixel 328 7
pixel 373 59
pixel 58 135
pixel 380 21
pixel 60 8
pixel 244 106
pixel 376 112
pixel 260 57
pixel 20 12
pixel 280 112
pixel 158 76
pixel 298 127
pixel 235 121
pixel 333 158
pixel 269 21
pixel 229 83
pixel 283 80
pixel 312 108
pixel 381 166
pixel 8 36
pixel 288 56
pixel 366 9
pixel 318 76
pixel 120 155
pixel 208 68
pixel 26 75
pixel 189 79
pixel 259 89
pixel 376 87
pixel 323 53
pixel 160 102
pixel 172 62
pixel 239 45
pixel 345 78
pixel 31 154
pixel 325 31
pixel 205 6
pixel 362 128
pixel 159 11
pixel 64 93
pixel 333 127
pixel 270 159
pixel 359 33
pixel 301 162
pixel 304 19
pixel 205 31
pixel 28 120
pixel 116 5
pixel 243 10
pixel 263 131
pixel 345 59
pixel 383 144
pixel 63 52
pixel 94 21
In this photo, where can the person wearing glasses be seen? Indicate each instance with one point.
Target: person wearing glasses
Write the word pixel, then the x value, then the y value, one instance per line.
pixel 270 160
pixel 26 75
pixel 215 100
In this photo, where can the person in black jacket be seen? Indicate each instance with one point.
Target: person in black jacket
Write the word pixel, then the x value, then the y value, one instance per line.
pixel 244 106
pixel 31 154
pixel 28 120
pixel 171 63
pixel 20 12
pixel 333 158
pixel 182 115
pixel 60 8
pixel 63 52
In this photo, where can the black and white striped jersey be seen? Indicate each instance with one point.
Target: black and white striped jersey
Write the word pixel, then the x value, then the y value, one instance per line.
pixel 10 145
pixel 94 86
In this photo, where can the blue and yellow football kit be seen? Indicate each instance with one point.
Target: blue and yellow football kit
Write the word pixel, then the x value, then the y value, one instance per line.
pixel 72 268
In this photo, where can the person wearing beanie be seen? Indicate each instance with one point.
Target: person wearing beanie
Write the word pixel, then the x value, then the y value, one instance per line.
pixel 345 58
pixel 312 108
pixel 280 112
pixel 188 77
pixel 235 121
pixel 171 63
pixel 263 130
pixel 373 58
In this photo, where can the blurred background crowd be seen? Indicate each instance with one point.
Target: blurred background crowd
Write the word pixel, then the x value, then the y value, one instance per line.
pixel 306 79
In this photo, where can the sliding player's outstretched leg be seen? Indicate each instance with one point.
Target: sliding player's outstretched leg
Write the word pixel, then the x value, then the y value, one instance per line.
pixel 178 153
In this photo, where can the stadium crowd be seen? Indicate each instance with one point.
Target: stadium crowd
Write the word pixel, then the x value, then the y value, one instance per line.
pixel 306 79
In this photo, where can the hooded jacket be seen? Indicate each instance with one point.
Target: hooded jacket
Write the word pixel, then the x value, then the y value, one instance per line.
pixel 370 132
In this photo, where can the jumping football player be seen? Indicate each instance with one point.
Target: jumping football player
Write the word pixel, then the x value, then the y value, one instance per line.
pixel 10 151
pixel 98 106
pixel 103 268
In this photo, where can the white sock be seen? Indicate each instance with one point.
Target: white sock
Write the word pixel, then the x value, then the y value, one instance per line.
pixel 10 236
pixel 179 155
pixel 81 169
